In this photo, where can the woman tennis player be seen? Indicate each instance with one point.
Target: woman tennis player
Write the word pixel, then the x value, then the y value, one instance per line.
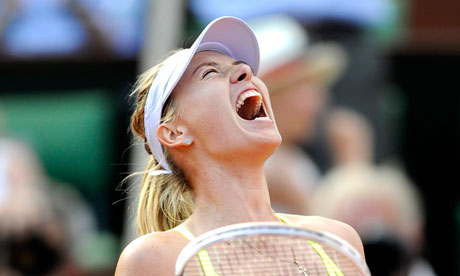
pixel 208 124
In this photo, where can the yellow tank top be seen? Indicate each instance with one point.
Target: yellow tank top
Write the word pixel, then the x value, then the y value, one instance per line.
pixel 208 268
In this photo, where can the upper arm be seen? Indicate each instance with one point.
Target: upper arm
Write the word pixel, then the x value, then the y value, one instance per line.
pixel 350 235
pixel 338 228
pixel 143 257
pixel 346 232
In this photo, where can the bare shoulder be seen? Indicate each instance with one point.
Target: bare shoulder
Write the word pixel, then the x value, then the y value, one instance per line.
pixel 338 228
pixel 151 254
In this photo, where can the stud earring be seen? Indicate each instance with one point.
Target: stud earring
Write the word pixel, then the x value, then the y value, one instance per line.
pixel 188 141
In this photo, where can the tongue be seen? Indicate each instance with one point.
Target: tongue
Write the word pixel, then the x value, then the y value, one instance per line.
pixel 250 108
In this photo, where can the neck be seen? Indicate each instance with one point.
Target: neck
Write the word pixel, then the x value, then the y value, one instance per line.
pixel 227 195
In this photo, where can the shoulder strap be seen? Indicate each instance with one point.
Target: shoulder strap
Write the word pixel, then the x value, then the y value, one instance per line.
pixel 331 267
pixel 185 232
pixel 203 255
pixel 283 219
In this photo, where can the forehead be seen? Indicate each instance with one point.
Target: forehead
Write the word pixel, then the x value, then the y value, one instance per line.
pixel 201 59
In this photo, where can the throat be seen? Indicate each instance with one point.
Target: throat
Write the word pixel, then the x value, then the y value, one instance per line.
pixel 237 212
pixel 234 201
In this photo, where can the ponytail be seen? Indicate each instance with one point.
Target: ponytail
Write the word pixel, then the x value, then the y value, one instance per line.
pixel 165 200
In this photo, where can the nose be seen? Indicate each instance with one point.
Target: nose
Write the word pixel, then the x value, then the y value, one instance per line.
pixel 241 72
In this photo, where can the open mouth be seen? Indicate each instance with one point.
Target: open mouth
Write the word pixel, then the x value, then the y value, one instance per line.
pixel 250 105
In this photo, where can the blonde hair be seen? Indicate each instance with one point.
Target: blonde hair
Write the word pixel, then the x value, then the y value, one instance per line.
pixel 165 200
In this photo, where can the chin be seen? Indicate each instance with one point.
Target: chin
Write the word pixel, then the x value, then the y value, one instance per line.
pixel 255 150
pixel 268 145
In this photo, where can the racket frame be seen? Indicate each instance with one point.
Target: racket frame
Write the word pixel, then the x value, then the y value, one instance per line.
pixel 229 232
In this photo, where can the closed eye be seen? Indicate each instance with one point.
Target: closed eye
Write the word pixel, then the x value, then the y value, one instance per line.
pixel 209 71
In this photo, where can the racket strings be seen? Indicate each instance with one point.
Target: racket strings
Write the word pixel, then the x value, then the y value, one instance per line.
pixel 270 255
pixel 277 252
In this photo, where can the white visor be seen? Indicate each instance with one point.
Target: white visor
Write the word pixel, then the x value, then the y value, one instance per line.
pixel 228 35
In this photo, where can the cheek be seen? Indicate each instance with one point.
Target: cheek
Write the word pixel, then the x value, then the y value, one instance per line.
pixel 203 101
pixel 206 114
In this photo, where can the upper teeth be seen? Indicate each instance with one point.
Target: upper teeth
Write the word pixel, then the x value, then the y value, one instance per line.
pixel 246 95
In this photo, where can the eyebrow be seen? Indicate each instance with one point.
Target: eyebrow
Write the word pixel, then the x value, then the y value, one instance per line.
pixel 237 62
pixel 212 63
pixel 215 64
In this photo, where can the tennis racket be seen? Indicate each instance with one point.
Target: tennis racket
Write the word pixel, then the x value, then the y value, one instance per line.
pixel 269 249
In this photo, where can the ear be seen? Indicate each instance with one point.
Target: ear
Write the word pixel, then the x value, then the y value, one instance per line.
pixel 172 136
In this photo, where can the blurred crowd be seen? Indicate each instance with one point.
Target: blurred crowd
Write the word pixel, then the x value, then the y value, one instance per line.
pixel 46 227
pixel 326 82
pixel 62 28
